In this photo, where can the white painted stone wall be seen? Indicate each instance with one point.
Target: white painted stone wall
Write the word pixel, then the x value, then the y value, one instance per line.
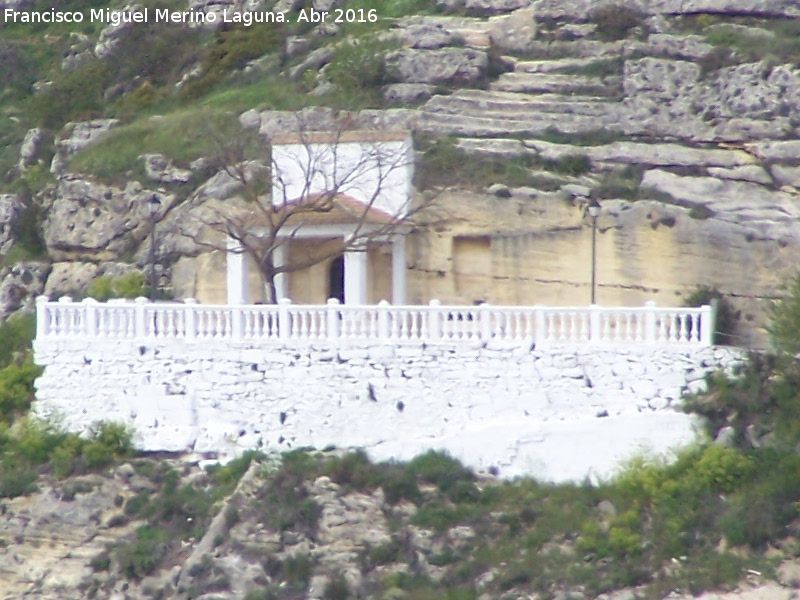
pixel 557 413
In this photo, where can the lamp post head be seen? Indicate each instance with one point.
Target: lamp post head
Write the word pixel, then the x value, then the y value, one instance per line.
pixel 153 204
pixel 593 208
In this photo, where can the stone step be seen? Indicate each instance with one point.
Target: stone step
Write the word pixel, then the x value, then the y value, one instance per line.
pixel 621 153
pixel 531 125
pixel 482 102
pixel 556 83
pixel 548 66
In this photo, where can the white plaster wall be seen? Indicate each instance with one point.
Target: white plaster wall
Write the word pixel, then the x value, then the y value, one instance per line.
pixel 378 173
pixel 555 413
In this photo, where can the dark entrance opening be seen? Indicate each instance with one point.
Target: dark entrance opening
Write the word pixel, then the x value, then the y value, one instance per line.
pixel 336 279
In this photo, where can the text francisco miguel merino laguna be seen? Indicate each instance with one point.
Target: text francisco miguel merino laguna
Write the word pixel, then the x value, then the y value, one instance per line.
pixel 115 17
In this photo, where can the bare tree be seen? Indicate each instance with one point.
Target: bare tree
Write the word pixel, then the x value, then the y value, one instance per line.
pixel 360 180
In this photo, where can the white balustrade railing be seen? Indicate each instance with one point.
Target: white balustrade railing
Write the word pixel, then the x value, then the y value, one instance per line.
pixel 382 323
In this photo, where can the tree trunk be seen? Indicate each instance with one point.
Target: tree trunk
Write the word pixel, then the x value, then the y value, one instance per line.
pixel 267 270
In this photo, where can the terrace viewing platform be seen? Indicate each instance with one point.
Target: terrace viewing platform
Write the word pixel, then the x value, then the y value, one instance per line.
pixel 337 324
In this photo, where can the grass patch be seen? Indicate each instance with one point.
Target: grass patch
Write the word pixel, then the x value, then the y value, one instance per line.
pixel 624 184
pixel 596 137
pixel 778 44
pixel 600 68
pixel 183 136
pixel 266 93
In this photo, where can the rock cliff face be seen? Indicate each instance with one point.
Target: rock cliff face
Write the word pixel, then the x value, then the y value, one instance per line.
pixel 683 118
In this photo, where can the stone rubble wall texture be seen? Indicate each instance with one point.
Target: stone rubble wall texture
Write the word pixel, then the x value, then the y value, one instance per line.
pixel 557 413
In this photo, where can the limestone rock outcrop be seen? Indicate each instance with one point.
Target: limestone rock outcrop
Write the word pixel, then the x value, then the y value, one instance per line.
pixel 94 221
pixel 75 136
pixel 19 285
pixel 10 208
pixel 460 66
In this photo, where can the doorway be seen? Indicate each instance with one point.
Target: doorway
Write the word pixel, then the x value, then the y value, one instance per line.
pixel 336 279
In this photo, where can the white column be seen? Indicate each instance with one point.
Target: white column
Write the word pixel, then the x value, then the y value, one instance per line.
pixel 235 272
pixel 279 256
pixel 399 268
pixel 355 275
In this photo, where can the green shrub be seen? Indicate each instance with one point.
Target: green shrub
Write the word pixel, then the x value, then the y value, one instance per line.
pixel 130 285
pixel 726 318
pixel 444 164
pixel 353 471
pixel 572 164
pixel 357 71
pixel 27 228
pixel 34 441
pixel 17 69
pixel 72 96
pixel 228 475
pixel 336 589
pixel 101 562
pixel 138 504
pixel 232 49
pixel 296 571
pixel 784 316
pixel 442 470
pixel 16 334
pixel 761 512
pixel 63 458
pixel 284 499
pixel 615 21
pixel 399 484
pixel 141 556
pixel 116 438
pixel 16 388
pixel 624 184
pixel 17 478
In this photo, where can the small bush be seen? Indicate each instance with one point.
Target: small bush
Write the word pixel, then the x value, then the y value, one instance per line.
pixel 17 478
pixel 382 554
pixel 101 562
pixel 136 505
pixel 286 502
pixel 27 228
pixel 336 589
pixel 573 164
pixel 116 438
pixel 63 458
pixel 784 315
pixel 615 21
pixel 73 95
pixel 357 71
pixel 624 184
pixel 353 470
pixel 16 334
pixel 726 318
pixel 442 470
pixel 232 49
pixel 16 388
pixel 444 164
pixel 226 476
pixel 398 484
pixel 130 285
pixel 296 571
pixel 140 557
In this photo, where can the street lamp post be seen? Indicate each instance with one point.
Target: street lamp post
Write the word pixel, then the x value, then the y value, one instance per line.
pixel 153 204
pixel 593 208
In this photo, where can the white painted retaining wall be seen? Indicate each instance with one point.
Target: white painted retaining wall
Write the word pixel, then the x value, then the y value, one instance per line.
pixel 559 413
